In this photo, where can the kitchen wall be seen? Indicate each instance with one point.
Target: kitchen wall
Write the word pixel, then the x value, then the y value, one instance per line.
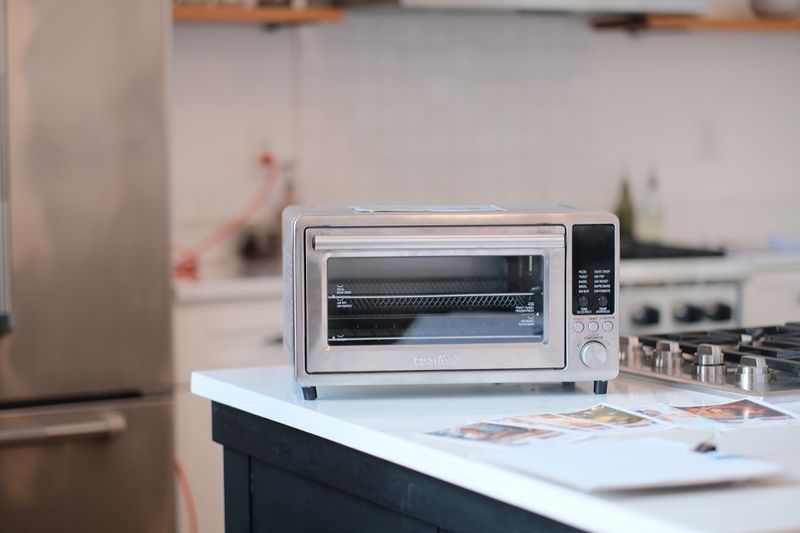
pixel 421 107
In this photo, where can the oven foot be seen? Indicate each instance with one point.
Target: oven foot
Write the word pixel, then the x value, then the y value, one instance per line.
pixel 600 387
pixel 309 393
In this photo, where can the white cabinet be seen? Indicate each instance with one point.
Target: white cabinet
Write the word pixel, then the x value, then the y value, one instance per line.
pixel 772 297
pixel 227 334
pixel 222 330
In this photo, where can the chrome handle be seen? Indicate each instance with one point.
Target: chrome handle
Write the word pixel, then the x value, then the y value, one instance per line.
pixel 105 426
pixel 435 242
pixel 5 219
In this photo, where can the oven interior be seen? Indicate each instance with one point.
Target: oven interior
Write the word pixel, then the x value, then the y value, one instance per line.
pixel 449 299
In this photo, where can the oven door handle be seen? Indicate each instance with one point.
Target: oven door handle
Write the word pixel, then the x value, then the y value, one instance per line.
pixel 436 242
pixel 106 425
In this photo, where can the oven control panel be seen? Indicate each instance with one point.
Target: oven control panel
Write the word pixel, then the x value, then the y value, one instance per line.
pixel 593 320
pixel 593 269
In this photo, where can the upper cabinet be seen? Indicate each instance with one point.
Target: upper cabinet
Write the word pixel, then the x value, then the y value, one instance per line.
pixel 695 23
pixel 591 6
pixel 253 14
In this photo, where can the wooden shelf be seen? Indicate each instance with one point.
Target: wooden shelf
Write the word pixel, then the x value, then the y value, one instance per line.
pixel 690 23
pixel 253 15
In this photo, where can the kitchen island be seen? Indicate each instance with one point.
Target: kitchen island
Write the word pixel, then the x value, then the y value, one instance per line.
pixel 357 459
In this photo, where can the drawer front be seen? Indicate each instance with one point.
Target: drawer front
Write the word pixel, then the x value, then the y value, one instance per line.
pixel 97 467
pixel 227 334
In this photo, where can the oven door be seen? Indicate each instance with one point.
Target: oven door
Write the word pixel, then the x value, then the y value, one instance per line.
pixel 435 298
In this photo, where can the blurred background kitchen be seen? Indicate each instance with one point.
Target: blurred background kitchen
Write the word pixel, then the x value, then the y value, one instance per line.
pixel 415 103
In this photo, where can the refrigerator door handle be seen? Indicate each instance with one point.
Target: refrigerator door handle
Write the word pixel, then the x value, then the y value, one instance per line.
pixel 106 425
pixel 5 218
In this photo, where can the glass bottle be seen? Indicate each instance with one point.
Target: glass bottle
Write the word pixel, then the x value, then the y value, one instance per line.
pixel 624 210
pixel 649 228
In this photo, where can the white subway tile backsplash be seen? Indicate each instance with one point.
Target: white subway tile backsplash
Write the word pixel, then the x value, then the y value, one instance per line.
pixel 396 106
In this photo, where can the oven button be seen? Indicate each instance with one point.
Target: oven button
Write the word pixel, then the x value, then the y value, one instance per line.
pixel 578 327
pixel 607 326
pixel 593 354
pixel 593 327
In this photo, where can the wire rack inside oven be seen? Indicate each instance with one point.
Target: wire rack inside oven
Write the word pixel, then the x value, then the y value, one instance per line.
pixel 397 297
pixel 406 287
pixel 431 304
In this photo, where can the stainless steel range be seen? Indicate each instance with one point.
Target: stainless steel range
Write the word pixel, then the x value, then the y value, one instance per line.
pixel 674 288
pixel 759 362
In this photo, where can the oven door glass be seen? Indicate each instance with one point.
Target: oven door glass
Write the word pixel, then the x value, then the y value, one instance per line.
pixel 434 298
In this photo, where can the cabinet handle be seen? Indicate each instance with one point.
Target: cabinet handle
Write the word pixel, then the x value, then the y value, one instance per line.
pixel 106 425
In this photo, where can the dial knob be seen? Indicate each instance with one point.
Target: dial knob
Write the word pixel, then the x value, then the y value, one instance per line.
pixel 688 313
pixel 719 312
pixel 593 354
pixel 646 315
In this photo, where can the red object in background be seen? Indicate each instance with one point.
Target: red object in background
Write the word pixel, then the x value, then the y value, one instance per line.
pixel 186 492
pixel 187 265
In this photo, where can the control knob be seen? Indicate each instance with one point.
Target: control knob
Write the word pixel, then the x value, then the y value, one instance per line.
pixel 593 354
pixel 667 354
pixel 719 312
pixel 709 363
pixel 688 313
pixel 646 315
pixel 752 372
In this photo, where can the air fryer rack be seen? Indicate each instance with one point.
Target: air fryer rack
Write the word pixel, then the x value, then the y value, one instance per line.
pixel 428 304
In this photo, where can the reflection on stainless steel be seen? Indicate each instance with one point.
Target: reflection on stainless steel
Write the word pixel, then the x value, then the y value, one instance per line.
pixel 762 362
pixel 710 373
pixel 86 213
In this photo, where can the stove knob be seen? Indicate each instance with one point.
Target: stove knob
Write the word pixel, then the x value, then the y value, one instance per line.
pixel 687 313
pixel 752 373
pixel 593 354
pixel 668 347
pixel 719 312
pixel 709 355
pixel 646 315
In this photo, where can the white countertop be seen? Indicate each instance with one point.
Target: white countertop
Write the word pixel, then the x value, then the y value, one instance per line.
pixel 387 422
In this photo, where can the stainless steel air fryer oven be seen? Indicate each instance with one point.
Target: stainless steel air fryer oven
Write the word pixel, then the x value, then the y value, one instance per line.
pixel 474 294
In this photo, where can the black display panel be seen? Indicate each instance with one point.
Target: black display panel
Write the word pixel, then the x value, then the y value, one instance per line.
pixel 593 269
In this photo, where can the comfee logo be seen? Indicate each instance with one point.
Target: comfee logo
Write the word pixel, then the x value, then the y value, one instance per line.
pixel 436 360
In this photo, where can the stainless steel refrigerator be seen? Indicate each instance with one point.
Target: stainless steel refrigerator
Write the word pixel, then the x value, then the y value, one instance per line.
pixel 85 370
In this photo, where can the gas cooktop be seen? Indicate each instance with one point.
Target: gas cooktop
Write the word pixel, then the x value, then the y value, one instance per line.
pixel 761 362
